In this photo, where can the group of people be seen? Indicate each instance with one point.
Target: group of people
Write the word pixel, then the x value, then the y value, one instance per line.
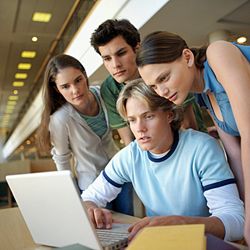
pixel 152 97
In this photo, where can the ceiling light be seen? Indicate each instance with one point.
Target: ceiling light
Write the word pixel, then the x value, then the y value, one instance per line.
pixel 10 107
pixel 9 111
pixel 34 39
pixel 28 54
pixel 18 84
pixel 13 98
pixel 15 92
pixel 241 39
pixel 11 103
pixel 24 66
pixel 21 75
pixel 41 17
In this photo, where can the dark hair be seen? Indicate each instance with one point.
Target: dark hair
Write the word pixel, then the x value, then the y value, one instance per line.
pixel 166 47
pixel 112 28
pixel 138 89
pixel 52 99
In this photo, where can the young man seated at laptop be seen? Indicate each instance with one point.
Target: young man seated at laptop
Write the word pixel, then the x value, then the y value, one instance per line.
pixel 182 177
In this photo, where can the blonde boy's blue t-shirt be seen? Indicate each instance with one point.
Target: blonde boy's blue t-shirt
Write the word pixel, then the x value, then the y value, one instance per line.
pixel 174 184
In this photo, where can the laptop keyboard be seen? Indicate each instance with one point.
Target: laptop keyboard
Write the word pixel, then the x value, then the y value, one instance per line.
pixel 115 238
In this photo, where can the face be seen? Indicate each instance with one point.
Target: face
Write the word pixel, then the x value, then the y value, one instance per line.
pixel 172 81
pixel 151 128
pixel 119 59
pixel 73 86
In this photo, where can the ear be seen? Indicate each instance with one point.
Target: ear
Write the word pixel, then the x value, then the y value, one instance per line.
pixel 170 116
pixel 188 57
pixel 137 47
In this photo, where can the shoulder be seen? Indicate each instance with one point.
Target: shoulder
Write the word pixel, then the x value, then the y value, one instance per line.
pixel 107 82
pixel 62 114
pixel 196 138
pixel 95 88
pixel 109 85
pixel 220 50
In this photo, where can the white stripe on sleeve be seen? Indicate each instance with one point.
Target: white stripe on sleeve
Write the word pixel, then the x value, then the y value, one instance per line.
pixel 100 192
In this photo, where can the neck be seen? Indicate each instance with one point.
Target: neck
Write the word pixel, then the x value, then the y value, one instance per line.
pixel 134 77
pixel 91 108
pixel 198 84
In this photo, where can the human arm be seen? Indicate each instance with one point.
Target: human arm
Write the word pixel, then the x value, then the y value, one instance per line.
pixel 189 118
pixel 96 197
pixel 226 221
pixel 100 217
pixel 125 134
pixel 233 71
pixel 232 148
pixel 110 91
pixel 61 152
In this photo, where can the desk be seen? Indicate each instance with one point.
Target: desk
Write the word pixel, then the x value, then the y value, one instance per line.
pixel 14 235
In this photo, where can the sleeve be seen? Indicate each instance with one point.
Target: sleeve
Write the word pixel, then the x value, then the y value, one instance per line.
pixel 220 189
pixel 110 97
pixel 101 191
pixel 213 171
pixel 225 204
pixel 61 153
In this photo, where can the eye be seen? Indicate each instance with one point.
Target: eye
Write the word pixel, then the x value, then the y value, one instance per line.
pixel 121 53
pixel 106 59
pixel 65 86
pixel 153 87
pixel 78 79
pixel 162 79
pixel 149 116
pixel 131 120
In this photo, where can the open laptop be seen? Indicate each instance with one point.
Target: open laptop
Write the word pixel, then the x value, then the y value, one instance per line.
pixel 55 214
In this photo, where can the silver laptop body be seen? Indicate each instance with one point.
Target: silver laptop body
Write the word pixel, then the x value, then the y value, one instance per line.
pixel 54 213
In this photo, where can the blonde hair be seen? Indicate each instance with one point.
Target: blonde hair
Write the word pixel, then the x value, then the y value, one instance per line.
pixel 138 89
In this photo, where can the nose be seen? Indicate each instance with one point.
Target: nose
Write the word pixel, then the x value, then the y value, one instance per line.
pixel 74 90
pixel 116 62
pixel 140 126
pixel 162 90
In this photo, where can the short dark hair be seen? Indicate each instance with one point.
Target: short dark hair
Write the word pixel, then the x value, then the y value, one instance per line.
pixel 112 28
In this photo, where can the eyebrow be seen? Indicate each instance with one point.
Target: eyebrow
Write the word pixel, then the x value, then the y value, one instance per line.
pixel 142 114
pixel 116 52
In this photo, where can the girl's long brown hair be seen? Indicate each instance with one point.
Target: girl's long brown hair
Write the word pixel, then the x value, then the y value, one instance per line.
pixel 52 99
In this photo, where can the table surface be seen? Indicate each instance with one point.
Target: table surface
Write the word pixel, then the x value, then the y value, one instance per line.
pixel 14 234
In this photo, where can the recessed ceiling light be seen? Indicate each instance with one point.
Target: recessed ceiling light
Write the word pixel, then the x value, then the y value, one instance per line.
pixel 34 39
pixel 18 84
pixel 9 111
pixel 13 97
pixel 24 66
pixel 241 39
pixel 13 103
pixel 28 54
pixel 15 91
pixel 21 75
pixel 41 17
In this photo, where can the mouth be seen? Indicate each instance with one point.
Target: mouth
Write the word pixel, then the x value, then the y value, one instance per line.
pixel 173 97
pixel 119 73
pixel 144 139
pixel 77 97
